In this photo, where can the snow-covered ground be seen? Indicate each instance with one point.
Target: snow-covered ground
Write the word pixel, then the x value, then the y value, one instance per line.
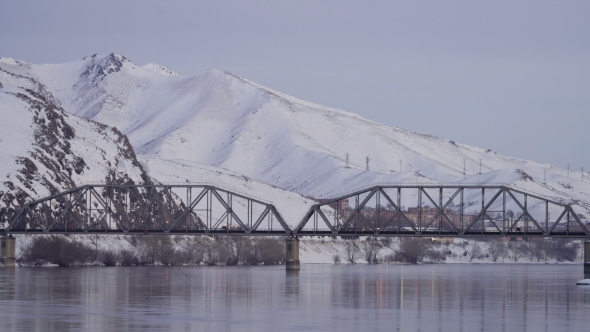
pixel 322 251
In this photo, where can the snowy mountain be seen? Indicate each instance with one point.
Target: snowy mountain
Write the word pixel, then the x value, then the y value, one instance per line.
pixel 45 150
pixel 221 120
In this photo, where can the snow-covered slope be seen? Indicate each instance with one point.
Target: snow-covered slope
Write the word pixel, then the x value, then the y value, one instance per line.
pixel 290 204
pixel 219 119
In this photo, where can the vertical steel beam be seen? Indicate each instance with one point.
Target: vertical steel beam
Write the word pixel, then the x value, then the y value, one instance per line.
pixel 419 209
pixel 399 206
pixel 546 217
pixel 209 212
pixel 357 213
pixel 483 215
pixel 378 221
pixel 440 208
pixel 462 211
pixel 503 210
pixel 526 211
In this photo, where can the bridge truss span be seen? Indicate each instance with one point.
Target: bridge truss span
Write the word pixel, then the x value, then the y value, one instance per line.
pixel 143 209
pixel 442 210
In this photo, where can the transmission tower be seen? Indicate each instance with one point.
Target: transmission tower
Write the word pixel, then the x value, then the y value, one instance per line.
pixel 367 163
pixel 347 160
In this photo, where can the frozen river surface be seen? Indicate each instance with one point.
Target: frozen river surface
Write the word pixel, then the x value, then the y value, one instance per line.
pixel 319 297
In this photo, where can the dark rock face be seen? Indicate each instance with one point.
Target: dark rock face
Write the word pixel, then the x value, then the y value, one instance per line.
pixel 57 157
pixel 99 69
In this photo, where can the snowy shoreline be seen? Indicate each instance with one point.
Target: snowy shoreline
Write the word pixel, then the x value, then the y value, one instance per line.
pixel 325 251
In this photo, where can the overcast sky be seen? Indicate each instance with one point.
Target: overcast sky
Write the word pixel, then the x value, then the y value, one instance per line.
pixel 513 76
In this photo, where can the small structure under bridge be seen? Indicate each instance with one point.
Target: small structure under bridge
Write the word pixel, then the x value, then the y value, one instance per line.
pixel 432 210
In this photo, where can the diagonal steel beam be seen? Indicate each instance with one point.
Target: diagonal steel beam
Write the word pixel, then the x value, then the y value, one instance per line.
pixel 260 219
pixel 229 210
pixel 359 208
pixel 525 211
pixel 441 209
pixel 578 220
pixel 483 211
pixel 67 207
pixel 399 211
pixel 306 218
pixel 190 206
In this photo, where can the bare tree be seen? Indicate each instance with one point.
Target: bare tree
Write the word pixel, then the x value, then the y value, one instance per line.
pixel 372 249
pixel 475 252
pixel 529 250
pixel 352 251
pixel 193 249
pixel 497 249
pixel 515 250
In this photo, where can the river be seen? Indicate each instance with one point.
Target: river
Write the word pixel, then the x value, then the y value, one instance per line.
pixel 430 297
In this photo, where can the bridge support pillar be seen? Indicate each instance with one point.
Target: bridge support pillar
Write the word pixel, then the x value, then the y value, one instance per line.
pixel 587 259
pixel 292 251
pixel 8 251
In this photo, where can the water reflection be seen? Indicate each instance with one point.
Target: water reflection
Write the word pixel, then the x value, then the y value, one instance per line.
pixel 321 297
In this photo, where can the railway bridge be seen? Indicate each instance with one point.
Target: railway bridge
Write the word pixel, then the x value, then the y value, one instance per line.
pixel 427 210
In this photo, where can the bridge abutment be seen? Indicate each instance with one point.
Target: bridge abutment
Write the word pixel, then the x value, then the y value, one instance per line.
pixel 292 246
pixel 587 259
pixel 8 251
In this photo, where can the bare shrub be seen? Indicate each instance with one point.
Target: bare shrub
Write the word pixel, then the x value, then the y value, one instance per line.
pixel 412 250
pixel 155 248
pixel 336 259
pixel 193 249
pixel 390 258
pixel 58 250
pixel 108 258
pixel 128 258
pixel 436 256
pixel 565 250
pixel 272 251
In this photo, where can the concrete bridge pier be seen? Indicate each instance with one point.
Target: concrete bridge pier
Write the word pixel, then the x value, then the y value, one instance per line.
pixel 8 251
pixel 292 261
pixel 587 259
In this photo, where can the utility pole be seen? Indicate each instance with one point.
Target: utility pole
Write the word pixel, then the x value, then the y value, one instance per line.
pixel 568 171
pixel 480 166
pixel 464 176
pixel 582 175
pixel 347 160
pixel 368 163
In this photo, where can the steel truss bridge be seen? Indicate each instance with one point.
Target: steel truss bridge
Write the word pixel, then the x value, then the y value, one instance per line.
pixel 443 210
pixel 388 210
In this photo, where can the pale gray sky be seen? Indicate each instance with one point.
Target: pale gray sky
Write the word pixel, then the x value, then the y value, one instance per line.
pixel 513 76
